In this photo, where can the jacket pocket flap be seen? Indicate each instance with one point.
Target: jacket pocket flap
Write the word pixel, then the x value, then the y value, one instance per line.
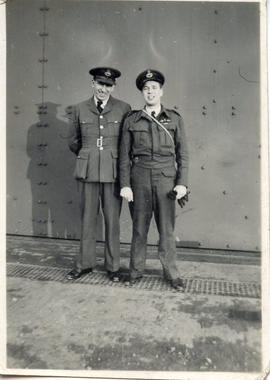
pixel 87 121
pixel 138 128
pixel 169 172
pixel 169 126
pixel 113 121
pixel 83 155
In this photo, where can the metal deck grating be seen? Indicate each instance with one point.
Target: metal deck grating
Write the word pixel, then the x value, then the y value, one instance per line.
pixel 193 286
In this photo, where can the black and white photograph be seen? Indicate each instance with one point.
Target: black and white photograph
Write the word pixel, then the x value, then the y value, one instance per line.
pixel 135 204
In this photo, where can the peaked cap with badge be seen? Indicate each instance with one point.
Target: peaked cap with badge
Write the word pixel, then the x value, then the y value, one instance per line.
pixel 106 75
pixel 149 75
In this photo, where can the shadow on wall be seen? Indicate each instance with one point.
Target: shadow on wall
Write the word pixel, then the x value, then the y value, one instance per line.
pixel 55 208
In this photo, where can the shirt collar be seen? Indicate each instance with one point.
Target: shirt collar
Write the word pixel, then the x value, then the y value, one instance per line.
pixel 103 103
pixel 157 110
pixel 141 114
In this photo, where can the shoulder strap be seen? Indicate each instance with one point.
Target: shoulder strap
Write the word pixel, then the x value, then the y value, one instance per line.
pixel 177 113
pixel 131 112
pixel 162 126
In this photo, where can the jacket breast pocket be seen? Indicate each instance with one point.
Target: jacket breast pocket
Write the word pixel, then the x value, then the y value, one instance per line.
pixel 169 172
pixel 165 139
pixel 141 136
pixel 88 129
pixel 113 127
pixel 81 165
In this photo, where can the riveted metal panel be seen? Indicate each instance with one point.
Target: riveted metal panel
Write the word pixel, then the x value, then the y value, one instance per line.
pixel 209 53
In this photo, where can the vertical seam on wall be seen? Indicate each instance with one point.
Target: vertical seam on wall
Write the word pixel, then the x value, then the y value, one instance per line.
pixel 43 35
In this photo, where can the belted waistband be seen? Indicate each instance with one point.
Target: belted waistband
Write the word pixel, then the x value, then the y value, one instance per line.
pixel 155 162
pixel 99 142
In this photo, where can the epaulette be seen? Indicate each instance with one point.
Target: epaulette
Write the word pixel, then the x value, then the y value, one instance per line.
pixel 177 113
pixel 131 113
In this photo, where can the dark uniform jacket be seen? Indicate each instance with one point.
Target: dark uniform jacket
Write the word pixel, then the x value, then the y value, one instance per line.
pixel 147 144
pixel 95 139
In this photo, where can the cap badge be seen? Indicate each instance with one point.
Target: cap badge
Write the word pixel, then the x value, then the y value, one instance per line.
pixel 108 73
pixel 149 74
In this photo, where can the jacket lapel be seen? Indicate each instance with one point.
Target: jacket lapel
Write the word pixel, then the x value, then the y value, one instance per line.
pixel 109 105
pixel 92 106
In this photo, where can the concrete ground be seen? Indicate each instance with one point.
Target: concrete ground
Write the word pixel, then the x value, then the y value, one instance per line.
pixel 74 326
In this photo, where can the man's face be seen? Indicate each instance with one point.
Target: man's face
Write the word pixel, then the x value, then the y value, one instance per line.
pixel 101 90
pixel 152 93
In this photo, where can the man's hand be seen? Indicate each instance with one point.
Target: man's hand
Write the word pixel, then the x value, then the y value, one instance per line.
pixel 127 193
pixel 180 190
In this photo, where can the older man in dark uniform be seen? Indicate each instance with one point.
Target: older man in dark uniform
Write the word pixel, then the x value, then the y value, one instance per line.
pixel 95 140
pixel 153 163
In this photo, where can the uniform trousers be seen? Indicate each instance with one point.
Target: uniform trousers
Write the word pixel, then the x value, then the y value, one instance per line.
pixel 92 194
pixel 150 188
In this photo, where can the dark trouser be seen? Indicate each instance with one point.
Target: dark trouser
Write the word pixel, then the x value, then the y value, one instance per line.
pixel 150 188
pixel 91 194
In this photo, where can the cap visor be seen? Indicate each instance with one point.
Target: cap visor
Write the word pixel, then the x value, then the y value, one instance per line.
pixel 104 80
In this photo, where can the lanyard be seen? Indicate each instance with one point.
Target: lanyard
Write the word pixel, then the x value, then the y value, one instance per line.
pixel 162 126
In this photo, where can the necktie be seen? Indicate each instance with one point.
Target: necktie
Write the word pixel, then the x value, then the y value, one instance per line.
pixel 100 109
pixel 153 113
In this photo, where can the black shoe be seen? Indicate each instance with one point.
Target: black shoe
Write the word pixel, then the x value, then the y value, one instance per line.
pixel 76 273
pixel 132 281
pixel 177 284
pixel 114 276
